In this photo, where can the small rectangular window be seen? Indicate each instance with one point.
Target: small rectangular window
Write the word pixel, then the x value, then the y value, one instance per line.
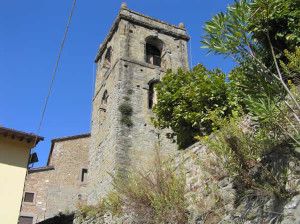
pixel 84 175
pixel 25 220
pixel 28 197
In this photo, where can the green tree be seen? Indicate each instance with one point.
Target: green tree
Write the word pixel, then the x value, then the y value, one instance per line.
pixel 292 67
pixel 276 22
pixel 185 100
pixel 234 34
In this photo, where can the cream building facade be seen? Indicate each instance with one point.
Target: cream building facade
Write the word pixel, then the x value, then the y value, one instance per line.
pixel 15 149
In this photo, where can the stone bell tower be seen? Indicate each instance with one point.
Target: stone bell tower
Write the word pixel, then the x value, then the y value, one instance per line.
pixel 133 57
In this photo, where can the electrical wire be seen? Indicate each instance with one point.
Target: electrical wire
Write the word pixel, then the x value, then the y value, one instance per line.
pixel 40 124
pixel 53 76
pixel 191 59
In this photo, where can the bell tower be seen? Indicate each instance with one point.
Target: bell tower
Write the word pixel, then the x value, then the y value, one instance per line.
pixel 133 57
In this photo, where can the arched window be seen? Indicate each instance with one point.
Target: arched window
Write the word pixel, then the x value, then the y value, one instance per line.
pixel 154 47
pixel 152 94
pixel 104 98
pixel 107 60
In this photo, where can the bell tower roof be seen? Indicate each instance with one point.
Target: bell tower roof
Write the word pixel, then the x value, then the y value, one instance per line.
pixel 137 18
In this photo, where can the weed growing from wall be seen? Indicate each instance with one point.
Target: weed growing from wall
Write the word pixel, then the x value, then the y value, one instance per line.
pixel 126 98
pixel 156 196
pixel 129 91
pixel 110 204
pixel 153 197
pixel 126 110
pixel 248 156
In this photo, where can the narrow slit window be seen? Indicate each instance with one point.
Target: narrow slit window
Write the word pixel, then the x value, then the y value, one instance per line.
pixel 25 220
pixel 104 98
pixel 108 57
pixel 84 175
pixel 28 197
pixel 152 94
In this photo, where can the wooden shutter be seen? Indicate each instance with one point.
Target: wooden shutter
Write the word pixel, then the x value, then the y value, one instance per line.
pixel 28 197
pixel 25 220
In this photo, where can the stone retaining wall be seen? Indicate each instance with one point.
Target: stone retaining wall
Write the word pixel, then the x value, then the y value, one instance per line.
pixel 213 197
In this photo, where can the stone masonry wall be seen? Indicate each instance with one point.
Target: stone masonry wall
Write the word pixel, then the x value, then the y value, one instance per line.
pixel 37 182
pixel 114 146
pixel 103 130
pixel 59 187
pixel 212 195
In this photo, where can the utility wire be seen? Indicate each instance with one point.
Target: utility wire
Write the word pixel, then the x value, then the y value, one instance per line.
pixel 61 47
pixel 93 85
pixel 191 53
pixel 36 137
pixel 191 59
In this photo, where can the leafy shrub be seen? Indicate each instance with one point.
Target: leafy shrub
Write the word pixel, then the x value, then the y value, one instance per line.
pixel 185 100
pixel 126 98
pixel 109 204
pixel 130 91
pixel 125 119
pixel 125 109
pixel 88 211
pixel 244 155
pixel 292 68
pixel 249 33
pixel 281 19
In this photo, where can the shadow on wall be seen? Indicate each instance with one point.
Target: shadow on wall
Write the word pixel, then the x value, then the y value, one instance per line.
pixel 59 219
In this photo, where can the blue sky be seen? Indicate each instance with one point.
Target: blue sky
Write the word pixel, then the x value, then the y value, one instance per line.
pixel 31 32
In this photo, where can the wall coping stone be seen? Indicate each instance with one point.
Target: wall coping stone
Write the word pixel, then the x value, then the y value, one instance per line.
pixel 40 169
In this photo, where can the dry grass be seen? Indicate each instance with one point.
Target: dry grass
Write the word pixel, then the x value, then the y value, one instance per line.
pixel 156 196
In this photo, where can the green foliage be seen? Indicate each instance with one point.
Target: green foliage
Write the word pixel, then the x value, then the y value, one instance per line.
pixel 185 100
pixel 88 211
pixel 126 111
pixel 129 91
pixel 263 110
pixel 250 33
pixel 243 155
pixel 109 204
pixel 126 98
pixel 249 27
pixel 125 119
pixel 227 34
pixel 280 19
pixel 292 67
pixel 112 203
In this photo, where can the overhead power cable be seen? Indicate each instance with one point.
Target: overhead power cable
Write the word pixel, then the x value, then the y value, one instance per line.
pixel 191 59
pixel 53 76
